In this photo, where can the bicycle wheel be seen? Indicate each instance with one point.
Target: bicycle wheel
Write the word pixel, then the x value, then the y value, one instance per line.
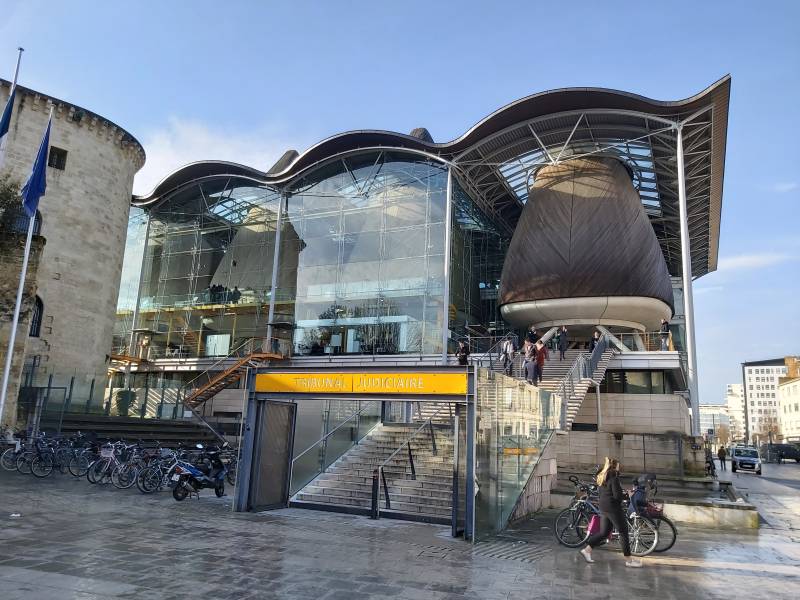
pixel 42 465
pixel 667 534
pixel 24 462
pixel 231 474
pixel 98 470
pixel 643 536
pixel 124 476
pixel 150 480
pixel 8 460
pixel 62 459
pixel 78 465
pixel 571 527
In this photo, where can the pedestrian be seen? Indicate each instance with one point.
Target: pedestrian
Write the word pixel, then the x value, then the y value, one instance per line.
pixel 530 372
pixel 781 456
pixel 462 353
pixel 722 454
pixel 594 341
pixel 664 331
pixel 540 357
pixel 528 355
pixel 563 341
pixel 508 350
pixel 612 515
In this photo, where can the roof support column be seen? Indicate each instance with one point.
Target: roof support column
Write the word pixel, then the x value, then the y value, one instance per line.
pixel 688 302
pixel 448 225
pixel 275 266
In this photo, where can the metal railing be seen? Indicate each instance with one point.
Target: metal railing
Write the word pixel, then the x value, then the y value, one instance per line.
pixel 583 368
pixel 594 358
pixel 379 474
pixel 647 341
pixel 323 451
pixel 494 354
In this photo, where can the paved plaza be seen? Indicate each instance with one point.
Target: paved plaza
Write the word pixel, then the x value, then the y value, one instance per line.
pixel 77 541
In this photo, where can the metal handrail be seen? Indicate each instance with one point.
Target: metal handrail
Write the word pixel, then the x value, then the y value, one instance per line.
pixel 334 430
pixel 596 355
pixel 567 386
pixel 231 354
pixel 378 475
pixel 495 349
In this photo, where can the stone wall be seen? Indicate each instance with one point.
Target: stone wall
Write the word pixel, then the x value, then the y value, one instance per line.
pixel 12 246
pixel 646 432
pixel 636 413
pixel 84 218
pixel 665 454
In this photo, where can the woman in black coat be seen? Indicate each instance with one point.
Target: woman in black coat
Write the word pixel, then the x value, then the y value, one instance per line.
pixel 563 341
pixel 612 514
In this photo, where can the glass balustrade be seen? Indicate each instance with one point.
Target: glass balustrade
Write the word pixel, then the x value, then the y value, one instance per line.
pixel 514 422
pixel 340 425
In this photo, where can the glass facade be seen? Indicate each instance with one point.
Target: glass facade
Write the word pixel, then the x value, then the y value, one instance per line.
pixel 368 235
pixel 361 264
pixel 638 382
pixel 478 249
pixel 207 270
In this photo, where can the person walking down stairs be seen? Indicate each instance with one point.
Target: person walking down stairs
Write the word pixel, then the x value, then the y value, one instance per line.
pixel 540 357
pixel 563 341
pixel 508 350
pixel 528 355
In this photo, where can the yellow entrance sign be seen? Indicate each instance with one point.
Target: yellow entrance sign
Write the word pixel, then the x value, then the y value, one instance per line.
pixel 305 383
pixel 363 383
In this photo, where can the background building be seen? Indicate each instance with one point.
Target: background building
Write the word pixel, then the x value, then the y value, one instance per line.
pixel 789 400
pixel 760 381
pixel 84 217
pixel 734 400
pixel 715 423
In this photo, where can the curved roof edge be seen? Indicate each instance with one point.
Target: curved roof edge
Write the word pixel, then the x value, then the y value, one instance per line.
pixel 193 171
pixel 715 97
pixel 530 107
pixel 126 135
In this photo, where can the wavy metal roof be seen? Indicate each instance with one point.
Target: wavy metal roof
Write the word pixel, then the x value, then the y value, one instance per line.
pixel 497 158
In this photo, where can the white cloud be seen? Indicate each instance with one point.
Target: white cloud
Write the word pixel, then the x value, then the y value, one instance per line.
pixel 183 141
pixel 752 261
pixel 784 186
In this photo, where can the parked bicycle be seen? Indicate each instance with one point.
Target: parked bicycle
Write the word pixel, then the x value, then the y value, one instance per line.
pixel 571 526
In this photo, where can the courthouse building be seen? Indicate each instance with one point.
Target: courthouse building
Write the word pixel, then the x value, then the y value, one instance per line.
pixel 316 306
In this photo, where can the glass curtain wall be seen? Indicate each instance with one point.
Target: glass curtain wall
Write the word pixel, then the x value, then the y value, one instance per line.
pixel 478 250
pixel 514 424
pixel 207 270
pixel 364 243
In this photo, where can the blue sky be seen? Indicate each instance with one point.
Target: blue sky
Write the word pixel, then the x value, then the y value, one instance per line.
pixel 247 81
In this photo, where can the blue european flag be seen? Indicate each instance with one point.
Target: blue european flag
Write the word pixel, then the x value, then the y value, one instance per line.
pixel 5 120
pixel 35 187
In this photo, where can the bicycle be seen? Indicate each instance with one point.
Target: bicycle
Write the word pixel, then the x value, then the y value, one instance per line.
pixel 571 526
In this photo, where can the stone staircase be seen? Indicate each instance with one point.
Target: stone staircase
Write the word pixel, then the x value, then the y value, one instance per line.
pixel 555 370
pixel 347 483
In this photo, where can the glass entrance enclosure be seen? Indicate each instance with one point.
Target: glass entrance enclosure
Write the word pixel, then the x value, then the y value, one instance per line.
pixel 360 268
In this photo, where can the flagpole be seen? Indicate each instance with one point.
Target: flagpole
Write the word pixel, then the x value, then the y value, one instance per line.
pixel 20 50
pixel 17 307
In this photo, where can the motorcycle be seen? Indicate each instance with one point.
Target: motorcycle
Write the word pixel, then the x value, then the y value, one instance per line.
pixel 209 472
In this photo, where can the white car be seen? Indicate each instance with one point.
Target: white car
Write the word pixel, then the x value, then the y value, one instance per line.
pixel 745 458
